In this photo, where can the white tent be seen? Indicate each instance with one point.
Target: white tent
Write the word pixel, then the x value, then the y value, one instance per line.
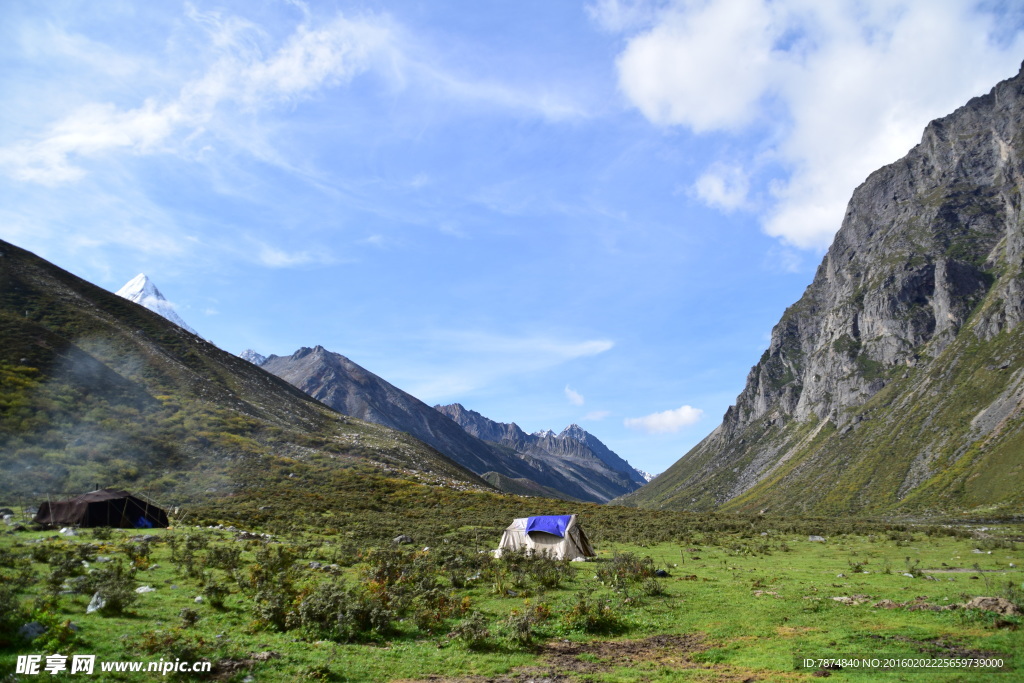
pixel 556 535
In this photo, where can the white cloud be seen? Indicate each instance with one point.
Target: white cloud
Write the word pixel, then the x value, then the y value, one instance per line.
pixel 665 422
pixel 622 15
pixel 597 415
pixel 836 89
pixel 574 396
pixel 724 187
pixel 674 72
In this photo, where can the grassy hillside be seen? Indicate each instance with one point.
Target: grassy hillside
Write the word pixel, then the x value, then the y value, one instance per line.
pixel 96 389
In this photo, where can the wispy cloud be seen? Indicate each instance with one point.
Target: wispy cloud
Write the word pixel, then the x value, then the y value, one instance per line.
pixel 456 363
pixel 596 415
pixel 666 422
pixel 310 59
pixel 573 396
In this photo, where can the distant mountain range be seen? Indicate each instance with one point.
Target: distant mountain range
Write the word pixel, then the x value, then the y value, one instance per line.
pixel 896 383
pixel 576 452
pixel 573 464
pixel 142 291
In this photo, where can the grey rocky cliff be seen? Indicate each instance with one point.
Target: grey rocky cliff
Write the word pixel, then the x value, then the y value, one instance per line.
pixel 928 244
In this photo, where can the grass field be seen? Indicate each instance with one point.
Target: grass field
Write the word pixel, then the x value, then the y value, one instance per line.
pixel 738 603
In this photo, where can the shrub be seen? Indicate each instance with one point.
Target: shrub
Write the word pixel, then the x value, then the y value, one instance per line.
pixel 224 557
pixel 215 593
pixel 471 631
pixel 189 617
pixel 115 585
pixel 272 607
pixel 341 613
pixel 522 622
pixel 592 615
pixel 626 568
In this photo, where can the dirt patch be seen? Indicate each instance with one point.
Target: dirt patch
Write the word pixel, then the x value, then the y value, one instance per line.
pixel 937 647
pixel 565 661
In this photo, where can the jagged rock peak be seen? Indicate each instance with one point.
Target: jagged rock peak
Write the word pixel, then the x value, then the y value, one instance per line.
pixel 574 431
pixel 141 290
pixel 253 357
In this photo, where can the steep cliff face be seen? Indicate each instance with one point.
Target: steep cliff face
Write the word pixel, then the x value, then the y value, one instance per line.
pixel 910 324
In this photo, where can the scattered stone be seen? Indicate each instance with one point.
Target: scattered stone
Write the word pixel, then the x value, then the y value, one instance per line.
pixel 31 630
pixel 888 604
pixel 402 540
pixel 6 511
pixel 840 575
pixel 199 598
pixel 315 565
pixel 102 558
pixel 661 573
pixel 908 575
pixel 264 656
pixel 1000 606
pixel 852 600
pixel 97 603
pixel 816 539
pixel 145 589
pixel 68 531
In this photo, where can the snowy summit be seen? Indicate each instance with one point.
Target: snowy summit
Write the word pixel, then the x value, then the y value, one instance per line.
pixel 142 291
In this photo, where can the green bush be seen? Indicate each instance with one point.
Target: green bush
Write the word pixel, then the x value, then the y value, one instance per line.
pixel 625 568
pixel 115 585
pixel 472 631
pixel 337 612
pixel 592 615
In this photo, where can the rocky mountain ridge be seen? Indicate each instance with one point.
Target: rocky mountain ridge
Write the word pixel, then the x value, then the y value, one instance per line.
pixel 569 468
pixel 573 444
pixel 895 382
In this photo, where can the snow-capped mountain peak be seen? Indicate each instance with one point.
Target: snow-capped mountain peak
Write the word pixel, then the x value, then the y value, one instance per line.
pixel 253 357
pixel 141 290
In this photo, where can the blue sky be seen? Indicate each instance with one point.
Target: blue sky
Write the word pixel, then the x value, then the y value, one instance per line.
pixel 551 212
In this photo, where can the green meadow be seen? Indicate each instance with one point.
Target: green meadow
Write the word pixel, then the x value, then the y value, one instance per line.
pixel 288 597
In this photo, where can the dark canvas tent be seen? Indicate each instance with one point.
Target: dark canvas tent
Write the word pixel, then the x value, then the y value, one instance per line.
pixel 106 507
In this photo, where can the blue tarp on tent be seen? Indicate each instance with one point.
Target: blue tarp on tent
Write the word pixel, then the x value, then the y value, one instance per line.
pixel 550 524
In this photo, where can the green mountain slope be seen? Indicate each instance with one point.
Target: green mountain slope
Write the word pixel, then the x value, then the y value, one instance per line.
pixel 896 383
pixel 96 389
